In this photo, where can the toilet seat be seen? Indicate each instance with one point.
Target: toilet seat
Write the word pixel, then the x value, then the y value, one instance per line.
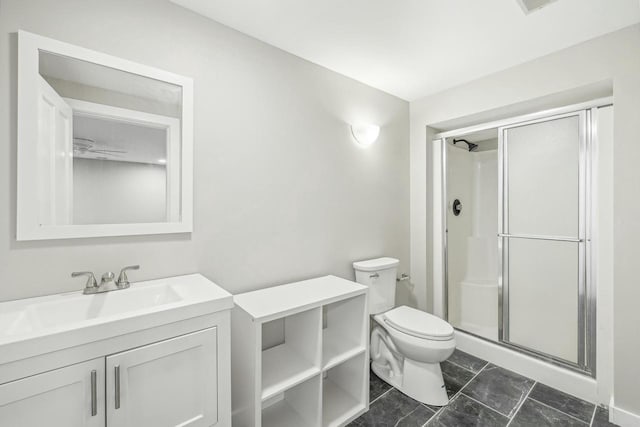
pixel 418 323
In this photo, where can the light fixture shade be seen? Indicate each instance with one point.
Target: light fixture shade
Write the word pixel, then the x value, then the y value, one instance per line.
pixel 365 134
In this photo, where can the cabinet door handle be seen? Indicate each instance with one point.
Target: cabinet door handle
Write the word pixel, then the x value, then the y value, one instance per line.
pixel 94 393
pixel 116 370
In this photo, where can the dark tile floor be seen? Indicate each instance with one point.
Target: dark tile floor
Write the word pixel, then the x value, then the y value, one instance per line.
pixel 484 395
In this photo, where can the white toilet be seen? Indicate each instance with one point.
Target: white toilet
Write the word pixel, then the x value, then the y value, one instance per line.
pixel 407 345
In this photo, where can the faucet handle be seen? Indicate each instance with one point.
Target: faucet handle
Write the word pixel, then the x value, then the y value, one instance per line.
pixel 91 279
pixel 123 280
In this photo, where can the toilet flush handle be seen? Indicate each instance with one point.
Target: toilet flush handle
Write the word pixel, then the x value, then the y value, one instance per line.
pixel 374 276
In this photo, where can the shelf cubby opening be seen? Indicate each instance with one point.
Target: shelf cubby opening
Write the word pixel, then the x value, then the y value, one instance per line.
pixel 344 391
pixel 293 358
pixel 295 407
pixel 343 330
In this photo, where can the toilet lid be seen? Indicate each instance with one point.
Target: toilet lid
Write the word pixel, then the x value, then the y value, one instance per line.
pixel 418 323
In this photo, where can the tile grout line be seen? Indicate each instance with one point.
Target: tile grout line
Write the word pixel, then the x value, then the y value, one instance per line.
pixel 564 413
pixel 390 388
pixel 472 378
pixel 434 414
pixel 521 403
pixel 414 410
pixel 593 416
pixel 456 395
pixel 487 406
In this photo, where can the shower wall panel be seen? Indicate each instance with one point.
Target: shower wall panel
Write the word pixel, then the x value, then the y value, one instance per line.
pixel 459 186
pixel 472 241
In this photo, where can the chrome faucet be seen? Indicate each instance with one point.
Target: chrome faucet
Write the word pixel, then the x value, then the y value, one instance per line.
pixel 92 285
pixel 123 280
pixel 107 282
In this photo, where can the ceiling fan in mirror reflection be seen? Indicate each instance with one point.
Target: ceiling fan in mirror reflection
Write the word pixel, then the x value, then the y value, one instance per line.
pixel 87 148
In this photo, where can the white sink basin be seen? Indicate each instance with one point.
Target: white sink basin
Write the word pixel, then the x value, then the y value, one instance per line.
pixel 46 323
pixel 74 308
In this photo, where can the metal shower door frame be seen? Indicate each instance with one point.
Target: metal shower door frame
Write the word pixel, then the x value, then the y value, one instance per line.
pixel 586 325
pixel 589 301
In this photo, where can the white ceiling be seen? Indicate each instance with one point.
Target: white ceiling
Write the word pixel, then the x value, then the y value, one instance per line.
pixel 412 48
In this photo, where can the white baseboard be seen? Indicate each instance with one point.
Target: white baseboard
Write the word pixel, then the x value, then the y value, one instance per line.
pixel 622 417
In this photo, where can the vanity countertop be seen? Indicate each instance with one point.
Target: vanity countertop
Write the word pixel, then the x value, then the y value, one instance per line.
pixel 35 326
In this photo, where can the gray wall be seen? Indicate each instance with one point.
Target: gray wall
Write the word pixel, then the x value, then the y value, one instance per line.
pixel 612 59
pixel 281 190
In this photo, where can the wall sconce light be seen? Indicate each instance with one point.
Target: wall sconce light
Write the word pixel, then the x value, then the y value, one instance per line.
pixel 365 134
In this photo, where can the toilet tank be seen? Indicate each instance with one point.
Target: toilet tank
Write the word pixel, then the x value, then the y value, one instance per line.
pixel 380 276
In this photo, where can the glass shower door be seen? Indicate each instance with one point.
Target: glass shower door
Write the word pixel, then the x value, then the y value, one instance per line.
pixel 542 237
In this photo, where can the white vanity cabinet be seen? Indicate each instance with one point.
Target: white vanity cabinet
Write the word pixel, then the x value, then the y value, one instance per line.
pixel 170 383
pixel 164 364
pixel 72 396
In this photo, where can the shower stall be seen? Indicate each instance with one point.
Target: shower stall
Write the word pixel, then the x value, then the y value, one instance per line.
pixel 516 226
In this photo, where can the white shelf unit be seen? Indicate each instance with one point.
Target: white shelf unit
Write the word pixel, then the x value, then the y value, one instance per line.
pixel 295 407
pixel 297 358
pixel 344 391
pixel 300 354
pixel 342 335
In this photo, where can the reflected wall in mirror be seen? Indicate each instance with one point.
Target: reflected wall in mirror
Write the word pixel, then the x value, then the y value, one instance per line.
pixel 104 144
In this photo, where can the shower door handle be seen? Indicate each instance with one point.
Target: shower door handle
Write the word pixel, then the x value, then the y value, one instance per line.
pixel 536 237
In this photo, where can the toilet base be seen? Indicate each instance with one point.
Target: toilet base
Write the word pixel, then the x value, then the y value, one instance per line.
pixel 424 382
pixel 420 381
pixel 387 375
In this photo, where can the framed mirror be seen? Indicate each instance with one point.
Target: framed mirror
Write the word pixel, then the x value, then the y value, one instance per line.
pixel 105 145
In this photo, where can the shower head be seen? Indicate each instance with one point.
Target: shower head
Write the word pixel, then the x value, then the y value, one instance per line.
pixel 470 145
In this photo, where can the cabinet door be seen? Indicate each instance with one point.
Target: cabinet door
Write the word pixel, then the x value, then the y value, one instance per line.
pixel 170 383
pixel 67 397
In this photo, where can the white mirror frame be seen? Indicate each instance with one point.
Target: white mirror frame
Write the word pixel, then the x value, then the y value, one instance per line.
pixel 27 224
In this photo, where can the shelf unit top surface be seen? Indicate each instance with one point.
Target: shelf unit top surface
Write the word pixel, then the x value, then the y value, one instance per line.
pixel 266 304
